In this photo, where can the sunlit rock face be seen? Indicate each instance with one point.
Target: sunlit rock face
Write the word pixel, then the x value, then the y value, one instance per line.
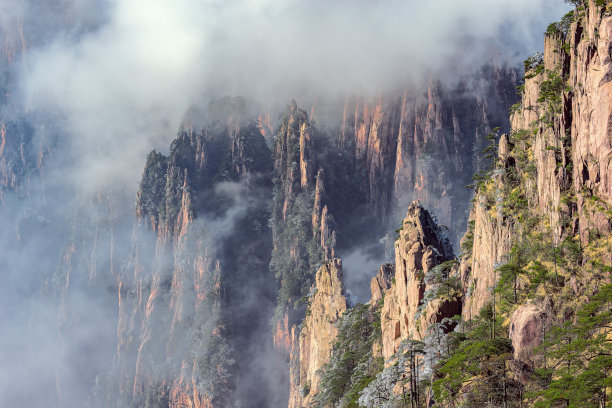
pixel 425 144
pixel 315 338
pixel 420 247
pixel 567 140
pixel 381 283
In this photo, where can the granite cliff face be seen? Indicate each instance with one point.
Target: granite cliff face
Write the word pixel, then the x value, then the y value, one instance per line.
pixel 184 324
pixel 535 260
pixel 560 149
pixel 407 299
pixel 415 146
pixel 405 314
pixel 314 339
pixel 230 228
pixel 364 174
pixel 590 77
pixel 381 283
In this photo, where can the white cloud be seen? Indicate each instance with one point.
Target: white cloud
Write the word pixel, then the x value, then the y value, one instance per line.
pixel 122 88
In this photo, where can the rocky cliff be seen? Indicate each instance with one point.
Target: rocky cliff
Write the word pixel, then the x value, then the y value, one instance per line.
pixel 314 339
pixel 242 217
pixel 556 160
pixel 185 327
pixel 413 147
pixel 406 314
pixel 494 328
pixel 339 348
pixel 421 145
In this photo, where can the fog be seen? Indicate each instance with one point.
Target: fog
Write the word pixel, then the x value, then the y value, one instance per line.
pixel 105 82
pixel 121 84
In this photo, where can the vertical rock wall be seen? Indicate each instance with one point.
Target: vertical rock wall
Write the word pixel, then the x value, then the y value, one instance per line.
pixel 314 340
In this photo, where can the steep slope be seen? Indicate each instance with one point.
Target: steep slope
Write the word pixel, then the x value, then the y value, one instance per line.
pixel 555 165
pixel 406 314
pixel 536 255
pixel 414 147
pixel 313 341
pixel 540 228
pixel 194 299
pixel 365 336
pixel 523 318
pixel 337 189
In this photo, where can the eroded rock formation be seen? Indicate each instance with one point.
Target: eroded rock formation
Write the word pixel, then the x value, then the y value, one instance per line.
pixel 420 247
pixel 314 340
pixel 183 322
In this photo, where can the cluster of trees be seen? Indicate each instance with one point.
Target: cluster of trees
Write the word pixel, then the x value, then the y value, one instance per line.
pixel 353 365
pixel 577 355
pixel 297 249
pixel 296 253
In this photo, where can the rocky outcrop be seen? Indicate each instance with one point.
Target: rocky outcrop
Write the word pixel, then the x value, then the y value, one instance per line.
pixel 293 151
pixel 388 152
pixel 414 147
pixel 381 283
pixel 557 156
pixel 313 342
pixel 303 230
pixel 528 324
pixel 420 247
pixel 590 77
pixel 491 239
pixel 185 320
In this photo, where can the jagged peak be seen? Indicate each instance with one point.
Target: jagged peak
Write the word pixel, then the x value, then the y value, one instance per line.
pixel 329 278
pixel 420 228
pixel 381 283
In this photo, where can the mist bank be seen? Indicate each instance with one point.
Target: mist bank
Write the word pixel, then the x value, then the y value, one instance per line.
pixel 117 77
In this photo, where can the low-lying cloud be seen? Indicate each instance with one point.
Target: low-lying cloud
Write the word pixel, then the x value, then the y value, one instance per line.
pixel 122 85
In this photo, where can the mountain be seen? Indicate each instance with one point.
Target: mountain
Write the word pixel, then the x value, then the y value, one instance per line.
pixel 522 316
pixel 260 263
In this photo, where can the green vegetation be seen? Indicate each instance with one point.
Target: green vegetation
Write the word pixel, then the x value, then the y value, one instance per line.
pixel 548 265
pixel 400 384
pixel 489 154
pixel 467 244
pixel 551 91
pixel 578 358
pixel 297 243
pixel 475 373
pixel 535 61
pixel 150 199
pixel 352 365
pixel 296 252
pixel 441 285
pixel 562 27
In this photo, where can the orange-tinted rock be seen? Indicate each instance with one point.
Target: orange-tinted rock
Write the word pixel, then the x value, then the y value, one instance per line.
pixel 381 283
pixel 314 347
pixel 420 247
